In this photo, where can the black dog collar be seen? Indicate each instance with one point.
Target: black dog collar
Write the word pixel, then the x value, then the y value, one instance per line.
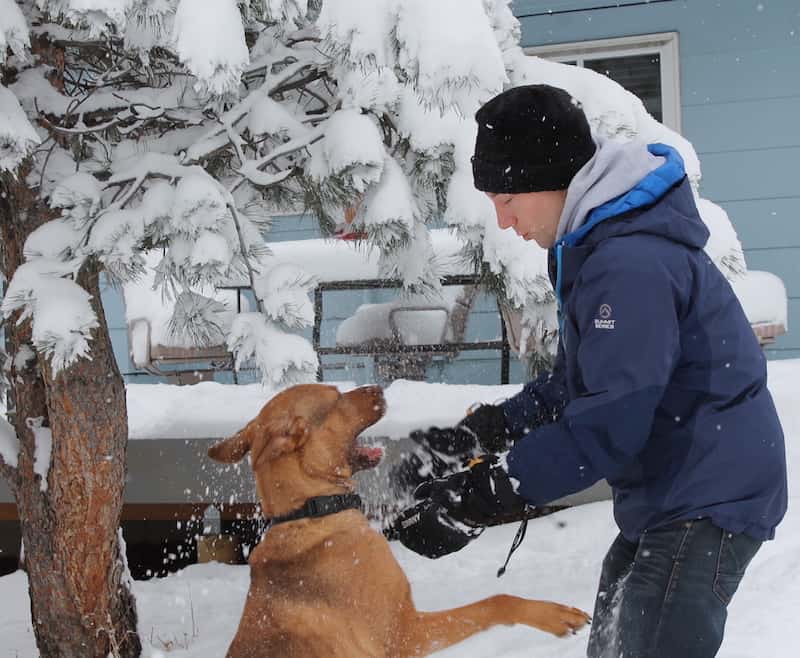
pixel 320 506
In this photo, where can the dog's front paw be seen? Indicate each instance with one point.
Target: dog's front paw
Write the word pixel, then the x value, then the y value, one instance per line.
pixel 560 620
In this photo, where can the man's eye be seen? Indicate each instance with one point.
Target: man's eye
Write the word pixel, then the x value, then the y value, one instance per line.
pixel 508 200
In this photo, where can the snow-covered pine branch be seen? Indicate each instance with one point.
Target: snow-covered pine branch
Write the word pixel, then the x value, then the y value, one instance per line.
pixel 59 309
pixel 282 358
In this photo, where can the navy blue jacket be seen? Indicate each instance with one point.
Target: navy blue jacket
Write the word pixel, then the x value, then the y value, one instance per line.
pixel 659 386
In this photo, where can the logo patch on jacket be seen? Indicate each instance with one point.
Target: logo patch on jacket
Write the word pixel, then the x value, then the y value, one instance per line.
pixel 604 320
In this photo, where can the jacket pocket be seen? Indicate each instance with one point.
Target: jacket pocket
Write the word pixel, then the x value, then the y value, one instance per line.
pixel 735 553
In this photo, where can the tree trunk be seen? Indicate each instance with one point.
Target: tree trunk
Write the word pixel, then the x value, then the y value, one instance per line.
pixel 81 602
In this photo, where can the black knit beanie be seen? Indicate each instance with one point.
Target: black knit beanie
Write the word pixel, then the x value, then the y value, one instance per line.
pixel 530 139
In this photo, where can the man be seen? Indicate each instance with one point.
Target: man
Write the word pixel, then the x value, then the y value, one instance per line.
pixel 659 384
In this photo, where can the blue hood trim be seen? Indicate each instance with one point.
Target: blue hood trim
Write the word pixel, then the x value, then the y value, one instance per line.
pixel 646 192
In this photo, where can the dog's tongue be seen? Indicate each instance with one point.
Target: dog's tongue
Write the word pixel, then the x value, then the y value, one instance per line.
pixel 364 457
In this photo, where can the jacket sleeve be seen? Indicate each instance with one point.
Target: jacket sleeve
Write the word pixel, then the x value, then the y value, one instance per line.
pixel 626 322
pixel 539 402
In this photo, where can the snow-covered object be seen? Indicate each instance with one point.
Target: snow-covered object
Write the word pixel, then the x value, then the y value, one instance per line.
pixel 17 136
pixel 98 16
pixel 390 205
pixel 288 13
pixel 150 313
pixel 150 24
pixel 763 298
pixel 360 158
pixel 451 63
pixel 267 117
pixel 198 204
pixel 209 39
pixel 418 319
pixel 427 129
pixel 355 31
pixel 13 30
pixel 9 443
pixel 61 313
pixel 78 197
pixel 282 358
pixel 723 244
pixel 57 239
pixel 285 289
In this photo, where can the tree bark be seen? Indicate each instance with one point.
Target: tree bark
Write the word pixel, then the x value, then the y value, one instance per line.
pixel 81 602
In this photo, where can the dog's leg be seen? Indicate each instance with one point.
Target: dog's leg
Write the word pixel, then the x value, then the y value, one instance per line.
pixel 425 632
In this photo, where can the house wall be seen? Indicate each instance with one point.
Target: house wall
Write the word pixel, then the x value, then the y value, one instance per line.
pixel 740 103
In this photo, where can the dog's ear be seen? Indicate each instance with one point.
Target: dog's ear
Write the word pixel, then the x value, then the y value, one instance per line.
pixel 231 450
pixel 282 442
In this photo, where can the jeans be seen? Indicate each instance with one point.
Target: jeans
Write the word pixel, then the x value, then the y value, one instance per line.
pixel 666 596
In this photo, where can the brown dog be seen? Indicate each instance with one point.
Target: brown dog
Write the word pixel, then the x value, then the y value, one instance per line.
pixel 329 586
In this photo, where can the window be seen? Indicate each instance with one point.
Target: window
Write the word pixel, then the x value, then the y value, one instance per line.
pixel 645 65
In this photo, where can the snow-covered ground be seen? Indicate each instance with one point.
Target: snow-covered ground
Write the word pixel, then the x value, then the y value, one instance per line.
pixel 195 612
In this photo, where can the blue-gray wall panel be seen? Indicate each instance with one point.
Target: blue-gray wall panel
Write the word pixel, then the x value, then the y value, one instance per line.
pixel 749 175
pixel 765 224
pixel 728 77
pixel 741 125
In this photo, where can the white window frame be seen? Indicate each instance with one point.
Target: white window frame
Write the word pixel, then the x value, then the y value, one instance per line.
pixel 663 43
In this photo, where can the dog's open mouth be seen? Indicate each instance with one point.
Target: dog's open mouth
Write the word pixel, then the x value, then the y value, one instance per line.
pixel 362 457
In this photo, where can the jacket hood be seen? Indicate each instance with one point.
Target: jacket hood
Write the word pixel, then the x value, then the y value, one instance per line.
pixel 681 223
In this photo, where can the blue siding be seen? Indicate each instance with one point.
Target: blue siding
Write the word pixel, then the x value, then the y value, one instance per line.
pixel 740 99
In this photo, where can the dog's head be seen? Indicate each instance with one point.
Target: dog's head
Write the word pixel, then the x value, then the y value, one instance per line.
pixel 304 434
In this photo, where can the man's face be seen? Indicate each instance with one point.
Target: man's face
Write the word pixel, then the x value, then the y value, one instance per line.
pixel 532 215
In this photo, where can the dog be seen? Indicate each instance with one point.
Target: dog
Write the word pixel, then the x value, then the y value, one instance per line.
pixel 328 586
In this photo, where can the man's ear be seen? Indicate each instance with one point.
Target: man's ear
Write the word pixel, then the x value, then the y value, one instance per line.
pixel 279 442
pixel 231 450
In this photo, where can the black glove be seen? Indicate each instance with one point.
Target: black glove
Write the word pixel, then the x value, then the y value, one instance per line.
pixel 426 529
pixel 446 449
pixel 480 496
pixel 488 424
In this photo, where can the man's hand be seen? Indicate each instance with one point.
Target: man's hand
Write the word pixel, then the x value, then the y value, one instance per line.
pixel 427 529
pixel 480 496
pixel 444 450
pixel 488 424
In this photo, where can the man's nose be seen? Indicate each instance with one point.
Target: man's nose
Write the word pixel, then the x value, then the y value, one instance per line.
pixel 504 219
